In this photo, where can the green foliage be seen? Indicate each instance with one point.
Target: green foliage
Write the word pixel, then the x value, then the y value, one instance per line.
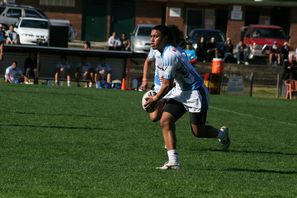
pixel 76 142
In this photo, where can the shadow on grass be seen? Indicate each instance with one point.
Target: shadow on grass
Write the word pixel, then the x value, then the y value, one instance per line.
pixel 55 127
pixel 52 114
pixel 289 172
pixel 252 152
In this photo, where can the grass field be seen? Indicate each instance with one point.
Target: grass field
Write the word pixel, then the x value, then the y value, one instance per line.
pixel 76 142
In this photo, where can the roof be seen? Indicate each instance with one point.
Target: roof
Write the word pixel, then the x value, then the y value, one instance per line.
pixel 34 18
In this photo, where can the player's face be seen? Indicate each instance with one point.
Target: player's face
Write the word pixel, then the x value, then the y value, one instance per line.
pixel 157 40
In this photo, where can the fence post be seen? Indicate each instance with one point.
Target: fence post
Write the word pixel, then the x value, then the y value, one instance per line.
pixel 277 86
pixel 252 83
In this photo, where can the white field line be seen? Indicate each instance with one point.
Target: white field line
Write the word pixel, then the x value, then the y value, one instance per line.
pixel 252 116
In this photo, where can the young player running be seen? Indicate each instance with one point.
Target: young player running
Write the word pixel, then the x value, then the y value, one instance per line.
pixel 189 95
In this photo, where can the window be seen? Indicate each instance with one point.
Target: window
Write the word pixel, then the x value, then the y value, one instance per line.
pixel 63 3
pixel 144 31
pixel 16 13
pixel 269 33
pixel 32 13
pixel 2 9
pixel 34 24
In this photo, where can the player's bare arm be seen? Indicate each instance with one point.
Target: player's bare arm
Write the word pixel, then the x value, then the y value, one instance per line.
pixel 144 83
pixel 167 85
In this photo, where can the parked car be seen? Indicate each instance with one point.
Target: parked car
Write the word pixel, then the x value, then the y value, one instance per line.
pixel 10 13
pixel 259 38
pixel 32 31
pixel 141 38
pixel 197 33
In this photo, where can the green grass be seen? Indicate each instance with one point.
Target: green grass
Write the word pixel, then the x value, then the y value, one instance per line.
pixel 76 142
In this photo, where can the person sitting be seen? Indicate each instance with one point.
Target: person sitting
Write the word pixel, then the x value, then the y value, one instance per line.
pixel 62 70
pixel 274 54
pixel 191 53
pixel 103 75
pixel 11 36
pixel 201 50
pixel 242 52
pixel 87 45
pixel 212 50
pixel 30 67
pixel 14 75
pixel 84 71
pixel 126 44
pixel 285 52
pixel 228 51
pixel 2 41
pixel 114 42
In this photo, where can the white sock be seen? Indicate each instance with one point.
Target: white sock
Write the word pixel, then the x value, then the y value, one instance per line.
pixel 68 83
pixel 173 156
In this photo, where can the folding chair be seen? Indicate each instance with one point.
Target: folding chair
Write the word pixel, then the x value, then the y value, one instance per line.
pixel 291 88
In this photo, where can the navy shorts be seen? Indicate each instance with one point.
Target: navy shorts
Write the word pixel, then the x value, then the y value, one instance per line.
pixel 177 110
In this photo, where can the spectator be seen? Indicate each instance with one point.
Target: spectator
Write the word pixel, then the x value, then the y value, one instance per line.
pixel 62 69
pixel 256 34
pixel 228 51
pixel 30 67
pixel 201 50
pixel 11 35
pixel 274 54
pixel 114 42
pixel 13 74
pixel 103 75
pixel 87 45
pixel 191 53
pixel 84 71
pixel 71 33
pixel 293 56
pixel 2 41
pixel 126 44
pixel 212 50
pixel 242 52
pixel 285 51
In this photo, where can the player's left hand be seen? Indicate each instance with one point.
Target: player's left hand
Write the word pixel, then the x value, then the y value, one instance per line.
pixel 150 101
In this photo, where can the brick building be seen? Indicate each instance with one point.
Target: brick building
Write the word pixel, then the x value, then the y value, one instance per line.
pixel 94 20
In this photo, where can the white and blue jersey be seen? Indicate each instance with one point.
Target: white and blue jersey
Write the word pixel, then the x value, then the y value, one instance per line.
pixel 155 56
pixel 175 66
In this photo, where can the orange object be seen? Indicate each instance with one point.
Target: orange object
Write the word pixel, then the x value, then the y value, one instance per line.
pixel 123 85
pixel 291 88
pixel 217 66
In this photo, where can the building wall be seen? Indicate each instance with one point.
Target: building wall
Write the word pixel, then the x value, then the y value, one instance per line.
pixel 148 12
pixel 233 30
pixel 293 28
pixel 73 14
pixel 157 12
pixel 179 21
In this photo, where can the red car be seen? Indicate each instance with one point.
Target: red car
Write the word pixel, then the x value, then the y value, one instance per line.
pixel 259 38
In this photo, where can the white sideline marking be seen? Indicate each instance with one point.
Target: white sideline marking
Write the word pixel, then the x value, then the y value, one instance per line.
pixel 252 116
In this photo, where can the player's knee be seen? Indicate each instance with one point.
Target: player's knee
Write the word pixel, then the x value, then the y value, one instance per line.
pixel 166 122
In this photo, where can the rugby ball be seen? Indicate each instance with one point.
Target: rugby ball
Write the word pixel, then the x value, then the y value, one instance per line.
pixel 151 108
